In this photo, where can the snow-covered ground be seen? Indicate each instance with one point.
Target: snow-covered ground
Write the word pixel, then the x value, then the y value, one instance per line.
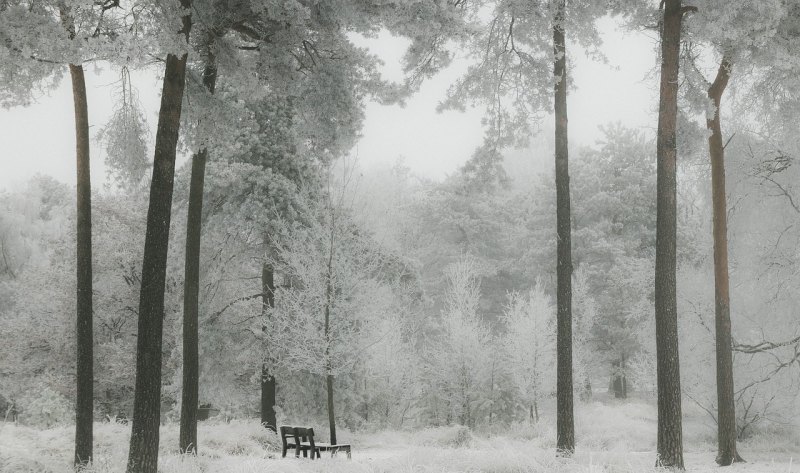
pixel 612 437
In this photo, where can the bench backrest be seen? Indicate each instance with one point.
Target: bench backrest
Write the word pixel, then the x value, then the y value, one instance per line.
pixel 298 434
pixel 304 434
pixel 286 432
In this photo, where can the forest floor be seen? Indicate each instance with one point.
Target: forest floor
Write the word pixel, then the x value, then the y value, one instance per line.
pixel 613 437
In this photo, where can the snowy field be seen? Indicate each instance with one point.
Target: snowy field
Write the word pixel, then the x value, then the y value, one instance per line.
pixel 612 438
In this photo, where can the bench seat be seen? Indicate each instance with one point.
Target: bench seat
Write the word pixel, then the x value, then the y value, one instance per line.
pixel 326 447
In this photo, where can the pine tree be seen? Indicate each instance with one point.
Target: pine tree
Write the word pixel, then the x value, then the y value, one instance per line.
pixel 670 435
pixel 191 292
pixel 143 453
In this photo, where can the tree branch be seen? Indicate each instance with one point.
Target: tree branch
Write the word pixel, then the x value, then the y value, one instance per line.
pixel 763 346
pixel 217 314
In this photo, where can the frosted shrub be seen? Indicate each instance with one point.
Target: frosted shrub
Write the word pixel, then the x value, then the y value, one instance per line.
pixel 459 368
pixel 463 437
pixel 529 346
pixel 454 436
pixel 239 438
pixel 44 407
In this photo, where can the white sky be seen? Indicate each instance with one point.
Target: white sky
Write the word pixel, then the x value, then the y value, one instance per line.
pixel 40 138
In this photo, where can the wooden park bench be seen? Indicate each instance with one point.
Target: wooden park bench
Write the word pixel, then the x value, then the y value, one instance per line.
pixel 301 439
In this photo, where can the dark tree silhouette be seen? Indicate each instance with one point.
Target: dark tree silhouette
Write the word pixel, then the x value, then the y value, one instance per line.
pixel 726 416
pixel 565 425
pixel 191 290
pixel 84 404
pixel 670 435
pixel 268 383
pixel 143 453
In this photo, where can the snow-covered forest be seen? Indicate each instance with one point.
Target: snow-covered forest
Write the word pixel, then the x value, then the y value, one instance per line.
pixel 548 303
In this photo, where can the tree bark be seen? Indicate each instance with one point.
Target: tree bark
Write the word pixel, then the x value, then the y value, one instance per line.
pixel 616 379
pixel 619 380
pixel 191 288
pixel 726 415
pixel 670 436
pixel 268 384
pixel 143 453
pixel 327 332
pixel 565 426
pixel 366 404
pixel 624 379
pixel 331 416
pixel 84 405
pixel 84 324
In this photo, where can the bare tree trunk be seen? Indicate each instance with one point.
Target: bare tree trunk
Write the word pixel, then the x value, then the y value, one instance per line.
pixel 143 453
pixel 619 381
pixel 616 379
pixel 586 390
pixel 491 390
pixel 331 416
pixel 84 325
pixel 366 403
pixel 624 378
pixel 534 411
pixel 726 416
pixel 670 436
pixel 327 333
pixel 268 384
pixel 328 375
pixel 84 405
pixel 565 425
pixel 191 288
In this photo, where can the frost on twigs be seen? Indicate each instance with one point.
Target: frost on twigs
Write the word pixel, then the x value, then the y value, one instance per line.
pixel 125 136
pixel 30 55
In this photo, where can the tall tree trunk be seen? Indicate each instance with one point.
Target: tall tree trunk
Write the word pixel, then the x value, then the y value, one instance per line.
pixel 670 441
pixel 726 416
pixel 565 425
pixel 331 415
pixel 268 384
pixel 84 405
pixel 328 375
pixel 143 453
pixel 84 324
pixel 327 333
pixel 191 288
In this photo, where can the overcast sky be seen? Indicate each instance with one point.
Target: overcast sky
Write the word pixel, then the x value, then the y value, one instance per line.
pixel 40 138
